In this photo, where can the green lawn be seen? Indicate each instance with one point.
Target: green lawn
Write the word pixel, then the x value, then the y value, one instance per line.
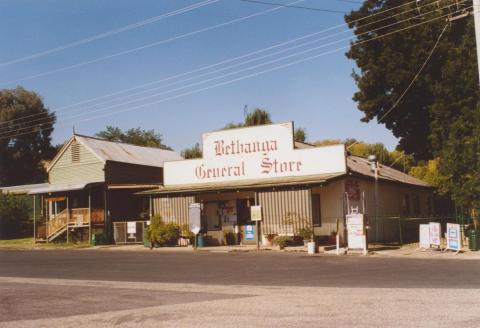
pixel 28 243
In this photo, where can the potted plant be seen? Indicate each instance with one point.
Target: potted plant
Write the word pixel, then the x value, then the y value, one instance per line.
pixel 281 241
pixel 306 234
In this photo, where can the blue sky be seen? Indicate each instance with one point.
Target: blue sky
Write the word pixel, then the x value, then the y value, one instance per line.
pixel 315 94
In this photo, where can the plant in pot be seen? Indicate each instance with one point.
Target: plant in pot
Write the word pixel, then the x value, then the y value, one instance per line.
pixel 281 241
pixel 306 234
pixel 332 239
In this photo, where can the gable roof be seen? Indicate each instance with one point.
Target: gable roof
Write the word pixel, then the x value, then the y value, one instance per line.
pixel 106 150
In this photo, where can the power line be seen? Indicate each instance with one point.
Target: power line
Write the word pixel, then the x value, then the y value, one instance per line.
pixel 244 77
pixel 109 33
pixel 293 6
pixel 239 57
pixel 150 45
pixel 413 80
pixel 235 65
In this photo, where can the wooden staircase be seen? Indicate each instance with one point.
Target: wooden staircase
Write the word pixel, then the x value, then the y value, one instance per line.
pixel 76 217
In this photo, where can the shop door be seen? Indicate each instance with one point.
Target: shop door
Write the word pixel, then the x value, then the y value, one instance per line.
pixel 245 225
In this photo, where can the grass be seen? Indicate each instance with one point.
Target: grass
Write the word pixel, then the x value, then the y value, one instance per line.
pixel 28 243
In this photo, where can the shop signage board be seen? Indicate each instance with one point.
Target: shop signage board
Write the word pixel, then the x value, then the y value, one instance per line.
pixel 194 217
pixel 453 237
pixel 424 239
pixel 356 231
pixel 256 213
pixel 254 153
pixel 434 233
pixel 249 232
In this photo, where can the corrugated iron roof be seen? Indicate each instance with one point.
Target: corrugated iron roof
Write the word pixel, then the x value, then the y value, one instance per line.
pixel 127 153
pixel 22 189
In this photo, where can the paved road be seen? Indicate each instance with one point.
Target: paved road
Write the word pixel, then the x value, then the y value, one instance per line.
pixel 106 288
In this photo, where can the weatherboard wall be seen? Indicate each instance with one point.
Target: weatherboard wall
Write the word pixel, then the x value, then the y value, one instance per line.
pixel 88 168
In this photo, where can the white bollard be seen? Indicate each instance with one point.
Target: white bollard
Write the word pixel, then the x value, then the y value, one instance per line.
pixel 311 248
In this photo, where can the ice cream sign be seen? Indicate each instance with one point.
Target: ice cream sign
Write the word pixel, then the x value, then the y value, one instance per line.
pixel 254 153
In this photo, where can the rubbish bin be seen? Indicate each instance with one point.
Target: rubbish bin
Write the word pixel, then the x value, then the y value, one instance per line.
pixel 473 239
pixel 200 241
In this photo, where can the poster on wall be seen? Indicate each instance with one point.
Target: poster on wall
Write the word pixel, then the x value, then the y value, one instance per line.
pixel 434 232
pixel 352 188
pixel 249 232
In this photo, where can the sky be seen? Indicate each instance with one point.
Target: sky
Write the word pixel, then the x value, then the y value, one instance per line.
pixel 315 93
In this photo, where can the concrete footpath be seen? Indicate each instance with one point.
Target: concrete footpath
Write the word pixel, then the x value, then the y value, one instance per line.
pixel 377 250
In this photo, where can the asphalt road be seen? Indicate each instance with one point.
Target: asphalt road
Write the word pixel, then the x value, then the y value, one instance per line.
pixel 54 288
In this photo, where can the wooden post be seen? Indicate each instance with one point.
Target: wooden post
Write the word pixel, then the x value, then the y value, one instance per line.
pixel 89 215
pixel 68 218
pixel 34 220
pixel 46 219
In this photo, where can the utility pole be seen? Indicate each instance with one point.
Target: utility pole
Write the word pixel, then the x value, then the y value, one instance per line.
pixel 476 17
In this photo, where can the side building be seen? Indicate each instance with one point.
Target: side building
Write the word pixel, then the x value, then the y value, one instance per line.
pixel 92 184
pixel 297 186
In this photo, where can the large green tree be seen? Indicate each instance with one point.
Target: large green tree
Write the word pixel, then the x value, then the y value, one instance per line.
pixel 438 117
pixel 25 142
pixel 135 136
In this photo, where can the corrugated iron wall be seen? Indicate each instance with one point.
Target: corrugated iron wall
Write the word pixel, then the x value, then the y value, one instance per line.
pixel 173 209
pixel 285 211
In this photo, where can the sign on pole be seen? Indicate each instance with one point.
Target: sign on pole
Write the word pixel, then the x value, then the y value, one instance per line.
pixel 194 218
pixel 424 236
pixel 454 241
pixel 357 238
pixel 434 232
pixel 256 213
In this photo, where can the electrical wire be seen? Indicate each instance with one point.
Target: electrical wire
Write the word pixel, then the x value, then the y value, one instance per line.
pixel 237 58
pixel 247 76
pixel 293 6
pixel 232 73
pixel 109 33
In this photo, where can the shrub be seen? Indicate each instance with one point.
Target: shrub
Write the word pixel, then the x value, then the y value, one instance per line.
pixel 161 233
pixel 14 213
pixel 282 241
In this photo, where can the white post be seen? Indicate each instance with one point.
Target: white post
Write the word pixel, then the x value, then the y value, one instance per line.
pixel 89 216
pixel 338 243
pixel 68 218
pixel 476 17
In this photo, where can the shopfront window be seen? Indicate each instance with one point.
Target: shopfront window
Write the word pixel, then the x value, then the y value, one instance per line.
pixel 212 216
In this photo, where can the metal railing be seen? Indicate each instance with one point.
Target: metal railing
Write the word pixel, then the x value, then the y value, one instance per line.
pixel 129 232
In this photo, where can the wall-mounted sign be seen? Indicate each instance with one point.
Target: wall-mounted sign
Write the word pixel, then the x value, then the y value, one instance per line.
pixel 194 217
pixel 352 188
pixel 454 241
pixel 256 213
pixel 259 152
pixel 434 232
pixel 249 232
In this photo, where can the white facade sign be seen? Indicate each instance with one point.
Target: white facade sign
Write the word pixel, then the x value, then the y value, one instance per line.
pixel 454 241
pixel 131 227
pixel 259 152
pixel 434 231
pixel 424 239
pixel 194 217
pixel 356 231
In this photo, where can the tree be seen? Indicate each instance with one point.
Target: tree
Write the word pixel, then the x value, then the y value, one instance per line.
pixel 135 136
pixel 193 152
pixel 300 135
pixel 257 117
pixel 14 212
pixel 25 142
pixel 438 116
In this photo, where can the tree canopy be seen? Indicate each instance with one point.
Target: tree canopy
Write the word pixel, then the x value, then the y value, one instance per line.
pixel 25 142
pixel 192 152
pixel 135 136
pixel 437 119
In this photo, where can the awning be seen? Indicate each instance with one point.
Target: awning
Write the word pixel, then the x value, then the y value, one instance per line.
pixel 51 188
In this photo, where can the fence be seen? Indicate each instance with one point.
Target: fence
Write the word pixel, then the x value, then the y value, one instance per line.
pixel 130 232
pixel 401 230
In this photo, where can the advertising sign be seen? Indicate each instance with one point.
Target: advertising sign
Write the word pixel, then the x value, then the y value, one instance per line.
pixel 194 217
pixel 254 153
pixel 356 231
pixel 434 232
pixel 249 232
pixel 256 213
pixel 424 239
pixel 131 227
pixel 453 237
